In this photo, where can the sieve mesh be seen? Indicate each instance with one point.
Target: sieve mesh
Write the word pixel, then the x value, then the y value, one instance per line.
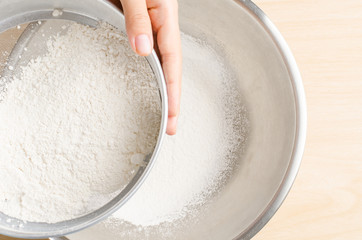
pixel 8 39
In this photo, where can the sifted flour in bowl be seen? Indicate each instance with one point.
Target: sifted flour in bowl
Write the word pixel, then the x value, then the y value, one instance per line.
pixel 194 164
pixel 74 125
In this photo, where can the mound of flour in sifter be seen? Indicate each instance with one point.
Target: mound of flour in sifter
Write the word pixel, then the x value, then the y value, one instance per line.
pixel 75 125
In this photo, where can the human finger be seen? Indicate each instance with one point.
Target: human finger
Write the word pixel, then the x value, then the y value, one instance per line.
pixel 138 26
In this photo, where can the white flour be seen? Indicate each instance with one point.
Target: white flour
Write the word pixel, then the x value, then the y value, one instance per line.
pixel 72 123
pixel 193 164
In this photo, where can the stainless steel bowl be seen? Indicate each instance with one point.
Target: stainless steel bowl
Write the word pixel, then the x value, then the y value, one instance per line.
pixel 269 81
pixel 90 12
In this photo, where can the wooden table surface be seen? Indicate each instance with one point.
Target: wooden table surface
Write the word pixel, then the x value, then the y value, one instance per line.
pixel 325 37
pixel 325 202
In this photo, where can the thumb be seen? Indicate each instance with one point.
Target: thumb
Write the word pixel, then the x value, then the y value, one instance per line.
pixel 138 26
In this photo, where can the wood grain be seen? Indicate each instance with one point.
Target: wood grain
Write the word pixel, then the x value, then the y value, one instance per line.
pixel 325 37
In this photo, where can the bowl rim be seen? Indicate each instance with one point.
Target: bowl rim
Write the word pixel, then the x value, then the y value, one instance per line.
pixel 301 121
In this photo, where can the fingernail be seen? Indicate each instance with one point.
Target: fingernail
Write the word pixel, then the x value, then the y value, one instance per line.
pixel 172 125
pixel 143 45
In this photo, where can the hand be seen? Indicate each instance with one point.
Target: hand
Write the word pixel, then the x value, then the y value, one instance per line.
pixel 146 19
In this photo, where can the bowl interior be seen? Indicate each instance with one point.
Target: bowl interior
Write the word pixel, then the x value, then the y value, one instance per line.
pixel 269 82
